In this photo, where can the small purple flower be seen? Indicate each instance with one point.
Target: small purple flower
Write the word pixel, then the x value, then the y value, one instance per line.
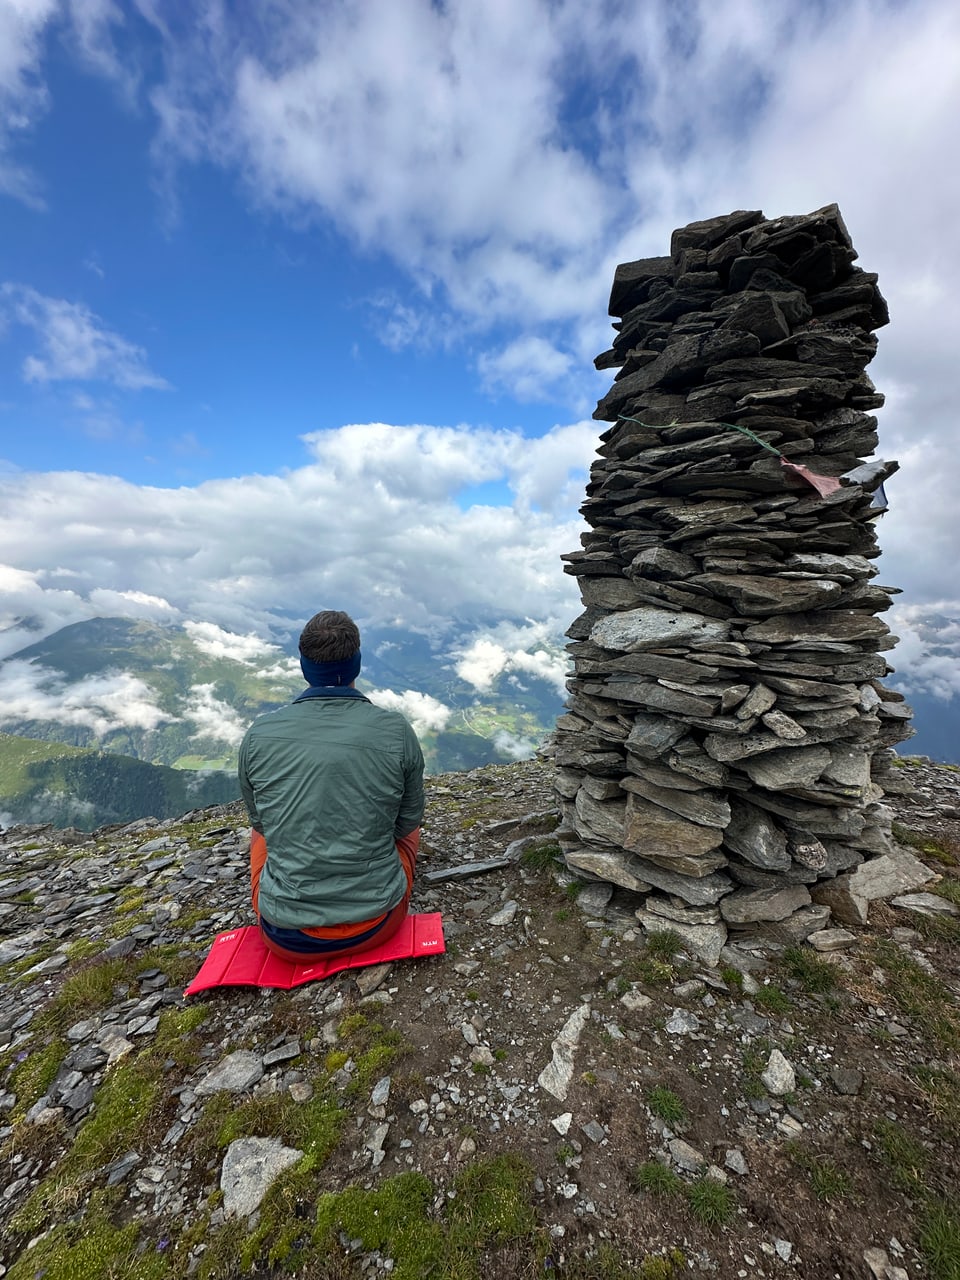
pixel 162 1244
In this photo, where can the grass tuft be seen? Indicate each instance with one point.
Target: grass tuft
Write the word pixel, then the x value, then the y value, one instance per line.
pixel 829 1183
pixel 940 1240
pixel 540 856
pixel 813 974
pixel 656 1179
pixel 665 1104
pixel 711 1201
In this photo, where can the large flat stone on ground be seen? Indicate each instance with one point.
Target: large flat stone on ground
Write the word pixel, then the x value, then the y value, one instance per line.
pixel 849 895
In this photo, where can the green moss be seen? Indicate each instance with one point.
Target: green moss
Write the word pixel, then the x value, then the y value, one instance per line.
pixel 123 1107
pixel 175 1034
pixel 83 949
pixel 732 977
pixel 374 1049
pixel 84 992
pixel 176 962
pixel 394 1218
pixel 312 1127
pixel 904 1156
pixel 490 1208
pixel 924 844
pixel 30 1079
pixel 130 902
pixel 941 1089
pixel 351 1024
pixel 665 944
pixel 829 1182
pixel 93 1249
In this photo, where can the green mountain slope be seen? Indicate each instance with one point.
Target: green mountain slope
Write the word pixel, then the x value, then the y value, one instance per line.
pixel 87 788
pixel 183 696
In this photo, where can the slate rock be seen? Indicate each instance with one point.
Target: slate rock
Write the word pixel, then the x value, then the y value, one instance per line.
pixel 237 1072
pixel 250 1167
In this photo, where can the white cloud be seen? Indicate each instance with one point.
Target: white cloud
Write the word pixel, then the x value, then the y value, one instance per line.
pixel 105 702
pixel 517 748
pixel 23 97
pixel 927 658
pixel 76 346
pixel 481 663
pixel 509 649
pixel 215 720
pixel 406 555
pixel 213 640
pixel 132 604
pixel 529 368
pixel 426 713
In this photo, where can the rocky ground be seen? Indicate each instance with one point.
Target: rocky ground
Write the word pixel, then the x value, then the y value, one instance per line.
pixel 557 1095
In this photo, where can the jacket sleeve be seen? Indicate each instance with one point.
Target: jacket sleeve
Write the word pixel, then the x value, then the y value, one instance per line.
pixel 246 790
pixel 410 814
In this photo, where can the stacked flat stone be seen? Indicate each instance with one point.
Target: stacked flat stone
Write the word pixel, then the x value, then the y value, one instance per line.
pixel 727 734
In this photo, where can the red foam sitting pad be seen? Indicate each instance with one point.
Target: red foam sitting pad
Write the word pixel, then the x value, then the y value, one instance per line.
pixel 240 958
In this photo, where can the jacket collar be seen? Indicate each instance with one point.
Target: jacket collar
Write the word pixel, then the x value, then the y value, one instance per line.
pixel 330 691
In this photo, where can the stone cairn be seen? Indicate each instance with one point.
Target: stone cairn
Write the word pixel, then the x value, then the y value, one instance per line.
pixel 726 739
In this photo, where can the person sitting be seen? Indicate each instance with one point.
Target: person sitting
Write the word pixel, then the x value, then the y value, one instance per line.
pixel 334 789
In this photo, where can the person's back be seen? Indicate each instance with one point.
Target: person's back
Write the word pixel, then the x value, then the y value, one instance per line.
pixel 334 789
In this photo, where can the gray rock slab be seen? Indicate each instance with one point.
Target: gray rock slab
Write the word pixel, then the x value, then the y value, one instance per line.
pixel 779 723
pixel 682 1023
pixel 556 1076
pixel 705 941
pixel 652 736
pixel 749 905
pixel 798 926
pixel 465 870
pixel 832 940
pixel 652 628
pixel 616 866
pixel 779 1077
pixel 506 915
pixel 755 837
pixel 686 1157
pixel 699 891
pixel 601 820
pixel 928 904
pixel 848 1080
pixel 887 876
pixel 788 767
pixel 649 829
pixel 250 1166
pixel 237 1072
pixel 895 872
pixel 706 808
pixel 681 912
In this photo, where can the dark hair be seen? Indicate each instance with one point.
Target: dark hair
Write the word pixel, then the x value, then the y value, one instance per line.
pixel 329 636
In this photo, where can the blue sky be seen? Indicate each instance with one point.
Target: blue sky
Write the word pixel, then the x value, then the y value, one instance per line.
pixel 243 329
pixel 303 307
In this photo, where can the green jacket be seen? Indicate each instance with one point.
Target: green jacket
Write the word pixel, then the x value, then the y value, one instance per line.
pixel 332 783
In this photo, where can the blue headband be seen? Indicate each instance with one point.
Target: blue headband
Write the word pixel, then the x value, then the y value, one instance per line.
pixel 326 673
